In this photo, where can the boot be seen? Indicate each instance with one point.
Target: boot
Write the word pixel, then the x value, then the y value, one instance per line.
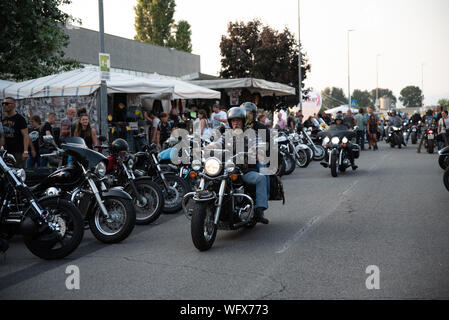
pixel 353 166
pixel 260 216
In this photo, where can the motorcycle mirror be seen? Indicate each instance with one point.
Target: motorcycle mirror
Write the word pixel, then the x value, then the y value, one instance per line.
pixel 49 139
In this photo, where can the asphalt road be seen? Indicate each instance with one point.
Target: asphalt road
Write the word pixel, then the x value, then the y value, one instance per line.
pixel 390 213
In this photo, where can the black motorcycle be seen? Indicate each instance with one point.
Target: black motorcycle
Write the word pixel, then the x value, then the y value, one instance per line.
pixel 396 137
pixel 110 212
pixel 147 195
pixel 336 147
pixel 443 158
pixel 52 226
pixel 223 201
pixel 172 186
pixel 429 138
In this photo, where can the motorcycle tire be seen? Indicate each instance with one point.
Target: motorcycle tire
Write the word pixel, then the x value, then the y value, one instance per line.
pixel 430 147
pixel 443 161
pixel 178 188
pixel 151 210
pixel 414 138
pixel 51 246
pixel 318 156
pixel 397 141
pixel 290 164
pixel 127 215
pixel 281 166
pixel 202 227
pixel 302 158
pixel 446 179
pixel 334 165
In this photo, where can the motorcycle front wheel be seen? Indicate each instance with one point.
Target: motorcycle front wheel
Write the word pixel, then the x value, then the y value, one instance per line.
pixel 334 165
pixel 149 208
pixel 202 227
pixel 443 161
pixel 120 223
pixel 302 158
pixel 58 244
pixel 290 164
pixel 319 153
pixel 177 189
pixel 446 179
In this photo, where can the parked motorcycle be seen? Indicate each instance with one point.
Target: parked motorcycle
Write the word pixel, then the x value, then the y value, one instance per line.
pixel 110 212
pixel 52 226
pixel 147 196
pixel 223 201
pixel 336 143
pixel 318 150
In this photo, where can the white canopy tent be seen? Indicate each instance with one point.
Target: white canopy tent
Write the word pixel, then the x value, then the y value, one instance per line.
pixel 265 88
pixel 83 82
pixel 343 108
pixel 4 88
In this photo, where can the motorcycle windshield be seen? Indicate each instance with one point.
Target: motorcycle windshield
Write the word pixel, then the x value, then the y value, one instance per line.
pixel 338 133
pixel 81 153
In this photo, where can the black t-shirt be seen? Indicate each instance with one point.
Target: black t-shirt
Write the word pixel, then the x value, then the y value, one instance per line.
pixel 35 138
pixel 46 127
pixel 12 127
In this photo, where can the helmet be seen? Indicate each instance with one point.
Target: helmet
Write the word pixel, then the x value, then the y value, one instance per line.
pixel 429 112
pixel 119 145
pixel 393 112
pixel 339 116
pixel 249 107
pixel 237 113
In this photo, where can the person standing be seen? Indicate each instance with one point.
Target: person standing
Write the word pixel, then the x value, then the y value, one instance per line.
pixel 85 131
pixel 281 124
pixel 361 122
pixel 46 130
pixel 15 137
pixel 349 119
pixel 34 132
pixel 218 117
pixel 163 130
pixel 443 126
pixel 372 132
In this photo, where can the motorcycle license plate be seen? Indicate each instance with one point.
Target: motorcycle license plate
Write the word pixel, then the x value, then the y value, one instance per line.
pixel 414 129
pixel 430 136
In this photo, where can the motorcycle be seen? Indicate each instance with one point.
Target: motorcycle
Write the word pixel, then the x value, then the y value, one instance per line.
pixel 336 143
pixel 223 201
pixel 172 186
pixel 318 149
pixel 147 196
pixel 52 227
pixel 109 213
pixel 415 133
pixel 395 137
pixel 429 138
pixel 290 147
pixel 443 158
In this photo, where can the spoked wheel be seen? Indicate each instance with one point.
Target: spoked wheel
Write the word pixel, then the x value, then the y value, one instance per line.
pixel 177 189
pixel 119 224
pixel 290 164
pixel 148 204
pixel 69 230
pixel 319 153
pixel 202 227
pixel 302 158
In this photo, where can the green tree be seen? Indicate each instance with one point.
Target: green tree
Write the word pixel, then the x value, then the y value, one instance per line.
pixel 32 39
pixel 363 98
pixel 154 21
pixel 384 93
pixel 333 97
pixel 444 104
pixel 181 40
pixel 411 97
pixel 255 50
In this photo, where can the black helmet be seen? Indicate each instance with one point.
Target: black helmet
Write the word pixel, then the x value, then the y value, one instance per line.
pixel 339 116
pixel 249 107
pixel 237 113
pixel 119 145
pixel 393 112
pixel 429 112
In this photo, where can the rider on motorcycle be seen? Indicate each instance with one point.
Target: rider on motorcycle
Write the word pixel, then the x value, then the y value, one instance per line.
pixel 340 126
pixel 428 120
pixel 394 121
pixel 237 119
pixel 414 121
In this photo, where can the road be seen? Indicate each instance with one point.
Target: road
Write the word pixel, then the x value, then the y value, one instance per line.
pixel 390 213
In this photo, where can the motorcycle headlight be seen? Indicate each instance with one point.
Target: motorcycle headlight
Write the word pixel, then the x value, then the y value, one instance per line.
pixel 395 128
pixel 326 140
pixel 100 169
pixel 212 166
pixel 196 165
pixel 335 140
pixel 130 163
pixel 345 140
pixel 229 166
pixel 21 174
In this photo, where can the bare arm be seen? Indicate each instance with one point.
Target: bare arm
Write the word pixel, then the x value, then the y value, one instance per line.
pixel 94 138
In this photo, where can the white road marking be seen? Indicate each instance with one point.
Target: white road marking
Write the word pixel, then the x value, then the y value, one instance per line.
pixel 299 234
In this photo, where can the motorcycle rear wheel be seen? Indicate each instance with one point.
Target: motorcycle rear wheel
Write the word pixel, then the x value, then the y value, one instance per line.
pixel 430 146
pixel 202 227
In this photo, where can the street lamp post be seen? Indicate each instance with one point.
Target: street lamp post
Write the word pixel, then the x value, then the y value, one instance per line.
pixel 349 80
pixel 422 84
pixel 377 79
pixel 103 89
pixel 299 60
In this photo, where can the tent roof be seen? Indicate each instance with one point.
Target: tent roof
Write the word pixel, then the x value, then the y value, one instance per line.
pixel 4 88
pixel 343 108
pixel 83 82
pixel 265 88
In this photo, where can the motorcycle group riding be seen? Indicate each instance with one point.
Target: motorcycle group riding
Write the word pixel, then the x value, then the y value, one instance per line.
pixel 224 184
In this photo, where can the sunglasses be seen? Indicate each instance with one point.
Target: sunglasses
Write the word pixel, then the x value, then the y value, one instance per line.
pixel 6 103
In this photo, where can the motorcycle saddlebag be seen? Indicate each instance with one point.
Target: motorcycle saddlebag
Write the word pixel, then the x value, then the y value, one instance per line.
pixel 276 189
pixel 356 150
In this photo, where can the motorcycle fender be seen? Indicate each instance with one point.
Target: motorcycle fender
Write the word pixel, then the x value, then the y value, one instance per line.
pixel 301 147
pixel 116 192
pixel 444 151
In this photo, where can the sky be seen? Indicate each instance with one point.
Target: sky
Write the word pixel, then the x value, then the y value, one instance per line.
pixel 411 37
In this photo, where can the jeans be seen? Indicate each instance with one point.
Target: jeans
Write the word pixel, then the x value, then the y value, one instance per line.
pixel 32 162
pixel 361 139
pixel 256 179
pixel 261 165
pixel 410 132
